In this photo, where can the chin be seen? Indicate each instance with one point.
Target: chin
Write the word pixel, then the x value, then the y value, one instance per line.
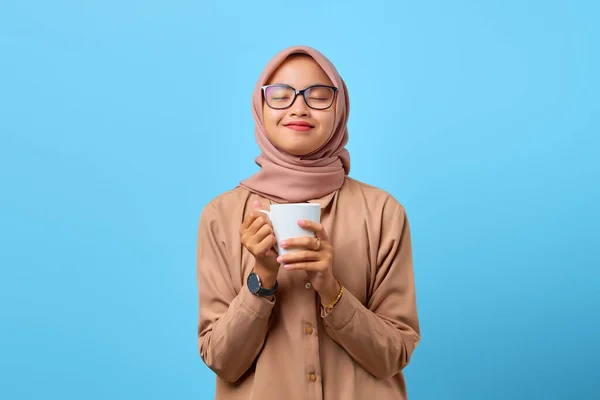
pixel 298 147
pixel 295 151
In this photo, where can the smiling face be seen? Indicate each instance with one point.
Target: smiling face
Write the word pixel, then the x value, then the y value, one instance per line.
pixel 299 130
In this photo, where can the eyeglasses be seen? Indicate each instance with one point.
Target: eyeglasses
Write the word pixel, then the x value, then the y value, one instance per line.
pixel 317 97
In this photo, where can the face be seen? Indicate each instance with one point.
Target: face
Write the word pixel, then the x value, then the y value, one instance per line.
pixel 299 129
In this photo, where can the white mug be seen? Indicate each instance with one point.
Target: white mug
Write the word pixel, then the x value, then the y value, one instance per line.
pixel 284 218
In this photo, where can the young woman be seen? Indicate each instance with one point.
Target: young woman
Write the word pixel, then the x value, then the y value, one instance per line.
pixel 336 319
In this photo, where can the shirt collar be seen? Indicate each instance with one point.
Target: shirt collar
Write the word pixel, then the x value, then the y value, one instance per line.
pixel 325 200
pixel 322 201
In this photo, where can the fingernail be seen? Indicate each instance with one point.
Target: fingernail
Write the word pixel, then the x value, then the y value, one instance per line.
pixel 301 222
pixel 286 266
pixel 279 259
pixel 282 243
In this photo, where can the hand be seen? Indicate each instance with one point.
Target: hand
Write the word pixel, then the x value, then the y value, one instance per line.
pixel 315 257
pixel 257 236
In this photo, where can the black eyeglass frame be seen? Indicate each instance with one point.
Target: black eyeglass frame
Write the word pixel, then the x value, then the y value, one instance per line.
pixel 296 93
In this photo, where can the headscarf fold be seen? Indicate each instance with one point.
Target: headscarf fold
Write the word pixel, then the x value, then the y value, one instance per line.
pixel 286 178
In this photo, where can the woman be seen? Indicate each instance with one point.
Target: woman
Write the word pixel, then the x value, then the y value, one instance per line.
pixel 337 319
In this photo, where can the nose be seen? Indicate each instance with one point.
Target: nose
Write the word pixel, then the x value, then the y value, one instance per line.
pixel 299 107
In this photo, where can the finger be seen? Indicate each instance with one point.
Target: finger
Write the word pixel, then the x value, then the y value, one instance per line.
pixel 263 232
pixel 265 245
pixel 258 210
pixel 299 256
pixel 258 223
pixel 274 250
pixel 316 227
pixel 251 217
pixel 249 220
pixel 303 242
pixel 306 266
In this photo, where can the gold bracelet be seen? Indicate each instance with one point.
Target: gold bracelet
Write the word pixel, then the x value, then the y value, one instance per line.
pixel 329 307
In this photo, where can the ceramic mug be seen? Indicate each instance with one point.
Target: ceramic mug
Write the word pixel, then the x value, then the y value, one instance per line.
pixel 284 219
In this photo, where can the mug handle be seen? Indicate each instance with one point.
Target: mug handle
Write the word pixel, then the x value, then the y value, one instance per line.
pixel 266 212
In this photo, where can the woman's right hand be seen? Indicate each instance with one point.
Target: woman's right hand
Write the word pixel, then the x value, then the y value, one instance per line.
pixel 257 237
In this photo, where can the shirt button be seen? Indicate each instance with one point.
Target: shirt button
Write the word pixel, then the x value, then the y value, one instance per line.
pixel 307 285
pixel 312 377
pixel 309 331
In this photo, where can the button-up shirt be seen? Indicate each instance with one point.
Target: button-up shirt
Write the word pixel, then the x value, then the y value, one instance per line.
pixel 290 347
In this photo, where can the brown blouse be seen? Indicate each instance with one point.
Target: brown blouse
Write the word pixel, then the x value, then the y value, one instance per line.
pixel 289 348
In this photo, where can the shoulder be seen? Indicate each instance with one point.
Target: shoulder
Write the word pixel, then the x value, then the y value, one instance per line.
pixel 226 205
pixel 359 194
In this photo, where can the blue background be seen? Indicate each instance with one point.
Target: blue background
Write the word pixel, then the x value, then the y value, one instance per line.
pixel 120 120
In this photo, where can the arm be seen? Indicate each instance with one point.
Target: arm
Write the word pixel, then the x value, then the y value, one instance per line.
pixel 232 327
pixel 382 336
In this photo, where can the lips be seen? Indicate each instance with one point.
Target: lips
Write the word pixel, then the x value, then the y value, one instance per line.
pixel 299 126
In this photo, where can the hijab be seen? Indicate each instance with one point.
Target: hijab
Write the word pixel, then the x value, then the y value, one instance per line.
pixel 286 178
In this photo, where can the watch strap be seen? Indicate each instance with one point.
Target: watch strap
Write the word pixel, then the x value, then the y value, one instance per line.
pixel 268 292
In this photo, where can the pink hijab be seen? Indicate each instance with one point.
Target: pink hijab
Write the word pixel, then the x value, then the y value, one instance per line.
pixel 286 178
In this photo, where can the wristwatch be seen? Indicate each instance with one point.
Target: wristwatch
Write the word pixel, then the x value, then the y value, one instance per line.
pixel 255 286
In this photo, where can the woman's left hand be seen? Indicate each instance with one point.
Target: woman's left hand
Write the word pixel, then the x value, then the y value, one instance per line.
pixel 315 256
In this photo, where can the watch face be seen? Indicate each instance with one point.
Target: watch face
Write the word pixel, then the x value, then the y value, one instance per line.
pixel 253 283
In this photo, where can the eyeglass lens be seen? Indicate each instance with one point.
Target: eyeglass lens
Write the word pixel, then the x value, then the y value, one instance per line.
pixel 318 97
